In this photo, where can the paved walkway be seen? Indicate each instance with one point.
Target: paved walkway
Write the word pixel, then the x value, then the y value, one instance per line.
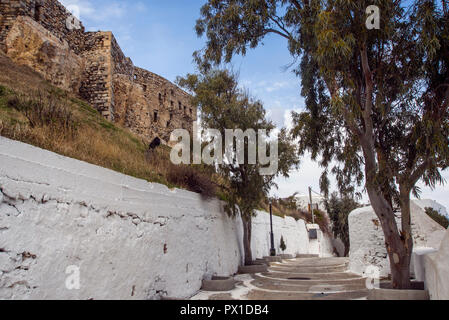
pixel 297 279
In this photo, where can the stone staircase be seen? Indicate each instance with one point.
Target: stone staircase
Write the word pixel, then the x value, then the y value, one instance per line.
pixel 308 278
pixel 303 278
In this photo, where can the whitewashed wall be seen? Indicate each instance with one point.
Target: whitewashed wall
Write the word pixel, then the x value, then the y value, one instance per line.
pixel 131 239
pixel 367 241
pixel 436 270
pixel 294 232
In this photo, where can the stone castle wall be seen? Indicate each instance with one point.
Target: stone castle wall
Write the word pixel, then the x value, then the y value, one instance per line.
pixel 51 14
pixel 97 87
pixel 45 36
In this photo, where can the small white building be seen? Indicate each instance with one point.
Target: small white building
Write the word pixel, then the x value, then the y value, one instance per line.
pixel 303 201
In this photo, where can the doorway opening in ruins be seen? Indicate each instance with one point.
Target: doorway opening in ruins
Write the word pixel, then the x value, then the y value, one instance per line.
pixel 37 12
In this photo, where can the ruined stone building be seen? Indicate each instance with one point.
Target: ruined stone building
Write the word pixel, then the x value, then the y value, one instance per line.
pixel 45 36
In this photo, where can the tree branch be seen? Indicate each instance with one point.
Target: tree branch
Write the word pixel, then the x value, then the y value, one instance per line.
pixel 368 94
pixel 266 31
pixel 419 171
pixel 280 24
pixel 296 4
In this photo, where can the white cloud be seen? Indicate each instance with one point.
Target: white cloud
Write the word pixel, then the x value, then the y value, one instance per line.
pixel 300 180
pixel 93 11
pixel 277 86
pixel 439 194
pixel 79 8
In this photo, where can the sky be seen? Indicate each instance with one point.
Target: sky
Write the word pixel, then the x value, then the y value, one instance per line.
pixel 160 37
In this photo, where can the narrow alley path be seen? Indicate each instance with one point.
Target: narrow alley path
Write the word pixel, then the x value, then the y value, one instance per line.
pixel 297 279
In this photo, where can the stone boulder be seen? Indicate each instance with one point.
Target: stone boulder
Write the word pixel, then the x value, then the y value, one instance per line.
pixel 30 44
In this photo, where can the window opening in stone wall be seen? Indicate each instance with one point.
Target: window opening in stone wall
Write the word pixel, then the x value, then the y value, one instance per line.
pixel 185 109
pixel 160 97
pixel 171 116
pixel 172 92
pixel 155 116
pixel 172 103
pixel 37 12
pixel 144 87
pixel 180 105
pixel 191 111
pixel 135 77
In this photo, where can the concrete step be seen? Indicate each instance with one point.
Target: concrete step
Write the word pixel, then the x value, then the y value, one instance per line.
pixel 273 259
pixel 300 280
pixel 257 268
pixel 307 287
pixel 276 295
pixel 312 275
pixel 309 269
pixel 316 262
pixel 305 256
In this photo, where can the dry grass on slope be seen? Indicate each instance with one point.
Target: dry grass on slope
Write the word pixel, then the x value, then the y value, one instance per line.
pixel 34 112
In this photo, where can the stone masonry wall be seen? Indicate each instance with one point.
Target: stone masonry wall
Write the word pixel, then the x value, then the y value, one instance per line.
pixel 97 87
pixel 51 14
pixel 168 107
pixel 93 66
pixel 30 44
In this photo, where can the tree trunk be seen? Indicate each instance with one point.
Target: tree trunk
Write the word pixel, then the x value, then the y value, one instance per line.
pixel 398 246
pixel 347 248
pixel 247 224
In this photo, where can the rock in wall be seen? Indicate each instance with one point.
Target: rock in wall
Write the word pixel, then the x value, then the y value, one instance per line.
pixel 129 238
pixel 367 242
pixel 28 43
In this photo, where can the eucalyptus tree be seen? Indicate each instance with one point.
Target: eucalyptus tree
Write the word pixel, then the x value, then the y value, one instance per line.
pixel 377 100
pixel 225 107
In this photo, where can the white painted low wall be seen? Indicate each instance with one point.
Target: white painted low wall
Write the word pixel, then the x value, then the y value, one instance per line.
pixel 436 270
pixel 294 232
pixel 367 241
pixel 131 239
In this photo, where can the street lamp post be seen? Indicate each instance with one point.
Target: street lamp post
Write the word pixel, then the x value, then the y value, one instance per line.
pixel 311 205
pixel 272 250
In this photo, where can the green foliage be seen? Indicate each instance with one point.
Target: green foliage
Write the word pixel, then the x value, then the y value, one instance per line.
pixel 339 209
pixel 322 220
pixel 3 91
pixel 381 94
pixel 283 245
pixel 436 216
pixel 222 105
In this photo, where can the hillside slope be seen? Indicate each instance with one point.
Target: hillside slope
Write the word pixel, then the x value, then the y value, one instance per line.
pixel 35 112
